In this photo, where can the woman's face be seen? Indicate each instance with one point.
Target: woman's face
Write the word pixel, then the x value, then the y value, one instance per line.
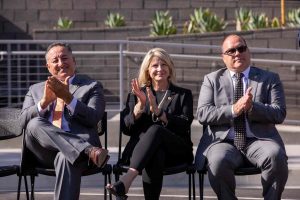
pixel 158 70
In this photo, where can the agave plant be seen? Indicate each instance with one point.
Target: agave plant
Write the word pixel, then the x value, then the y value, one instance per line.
pixel 275 23
pixel 115 20
pixel 64 23
pixel 204 21
pixel 259 21
pixel 243 19
pixel 162 24
pixel 294 17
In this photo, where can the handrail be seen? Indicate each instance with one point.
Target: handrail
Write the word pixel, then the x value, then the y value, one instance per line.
pixel 183 56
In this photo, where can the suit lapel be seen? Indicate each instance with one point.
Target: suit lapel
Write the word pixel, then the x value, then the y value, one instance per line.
pixel 254 77
pixel 226 82
pixel 74 85
pixel 170 96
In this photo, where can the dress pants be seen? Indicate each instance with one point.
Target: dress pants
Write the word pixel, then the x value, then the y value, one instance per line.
pixel 223 158
pixel 56 148
pixel 158 148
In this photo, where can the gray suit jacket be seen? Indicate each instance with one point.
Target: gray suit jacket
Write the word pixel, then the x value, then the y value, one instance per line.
pixel 88 111
pixel 216 99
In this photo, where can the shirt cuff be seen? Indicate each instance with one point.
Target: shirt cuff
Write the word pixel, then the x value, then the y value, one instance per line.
pixel 232 112
pixel 40 110
pixel 71 107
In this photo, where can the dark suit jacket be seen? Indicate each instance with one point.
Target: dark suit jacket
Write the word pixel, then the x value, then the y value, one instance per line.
pixel 216 99
pixel 179 111
pixel 88 111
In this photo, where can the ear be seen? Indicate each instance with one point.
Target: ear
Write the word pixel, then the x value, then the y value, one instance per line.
pixel 47 66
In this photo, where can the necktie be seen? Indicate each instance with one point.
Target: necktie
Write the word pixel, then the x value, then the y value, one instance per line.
pixel 58 112
pixel 239 122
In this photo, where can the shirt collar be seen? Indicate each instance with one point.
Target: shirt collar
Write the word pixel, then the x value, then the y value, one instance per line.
pixel 245 72
pixel 71 79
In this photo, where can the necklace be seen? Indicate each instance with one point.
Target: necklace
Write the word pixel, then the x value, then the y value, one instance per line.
pixel 154 118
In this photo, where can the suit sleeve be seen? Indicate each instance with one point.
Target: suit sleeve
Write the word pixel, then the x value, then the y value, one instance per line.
pixel 29 109
pixel 269 104
pixel 209 111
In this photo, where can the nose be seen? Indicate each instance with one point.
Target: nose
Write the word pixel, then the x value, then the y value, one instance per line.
pixel 60 63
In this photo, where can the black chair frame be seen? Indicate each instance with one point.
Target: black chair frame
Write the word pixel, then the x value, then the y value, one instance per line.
pixel 119 168
pixel 33 171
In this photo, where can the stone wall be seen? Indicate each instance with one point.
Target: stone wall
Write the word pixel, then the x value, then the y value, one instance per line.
pixel 19 18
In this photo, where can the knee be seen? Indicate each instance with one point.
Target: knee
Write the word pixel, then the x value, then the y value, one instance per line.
pixel 220 165
pixel 275 159
pixel 34 123
pixel 154 130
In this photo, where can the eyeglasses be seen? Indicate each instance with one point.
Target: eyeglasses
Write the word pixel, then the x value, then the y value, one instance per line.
pixel 232 51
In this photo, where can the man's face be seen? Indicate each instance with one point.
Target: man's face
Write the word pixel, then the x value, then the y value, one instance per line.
pixel 60 62
pixel 235 53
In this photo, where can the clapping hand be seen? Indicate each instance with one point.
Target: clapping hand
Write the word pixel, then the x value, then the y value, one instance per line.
pixel 135 89
pixel 244 103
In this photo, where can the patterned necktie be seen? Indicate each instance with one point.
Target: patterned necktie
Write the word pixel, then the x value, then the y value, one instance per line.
pixel 239 122
pixel 58 112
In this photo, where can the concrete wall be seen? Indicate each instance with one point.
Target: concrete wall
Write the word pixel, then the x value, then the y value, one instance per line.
pixel 19 18
pixel 190 73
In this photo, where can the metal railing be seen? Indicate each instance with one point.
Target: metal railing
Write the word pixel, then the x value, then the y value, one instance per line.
pixel 114 62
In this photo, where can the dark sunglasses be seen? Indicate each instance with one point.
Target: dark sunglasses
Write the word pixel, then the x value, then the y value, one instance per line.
pixel 232 51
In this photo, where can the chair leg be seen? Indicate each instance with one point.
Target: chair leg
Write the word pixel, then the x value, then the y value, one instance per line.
pixel 193 182
pixel 19 187
pixel 32 178
pixel 105 183
pixel 26 187
pixel 190 185
pixel 109 181
pixel 201 185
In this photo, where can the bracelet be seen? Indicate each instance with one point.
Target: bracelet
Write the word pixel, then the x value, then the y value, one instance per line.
pixel 160 113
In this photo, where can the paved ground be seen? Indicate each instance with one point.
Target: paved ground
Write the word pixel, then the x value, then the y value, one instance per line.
pixel 175 186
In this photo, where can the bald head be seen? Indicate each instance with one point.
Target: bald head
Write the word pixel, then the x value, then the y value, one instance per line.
pixel 235 53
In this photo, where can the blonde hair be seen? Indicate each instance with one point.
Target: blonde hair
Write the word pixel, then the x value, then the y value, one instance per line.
pixel 143 77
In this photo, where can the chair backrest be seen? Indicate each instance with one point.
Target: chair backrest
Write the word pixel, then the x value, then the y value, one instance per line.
pixel 10 125
pixel 102 128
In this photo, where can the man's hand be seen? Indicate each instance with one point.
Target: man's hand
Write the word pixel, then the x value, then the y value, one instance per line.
pixel 60 89
pixel 48 96
pixel 244 103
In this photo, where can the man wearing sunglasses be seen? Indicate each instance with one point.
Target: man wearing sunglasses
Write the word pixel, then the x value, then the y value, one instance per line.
pixel 240 105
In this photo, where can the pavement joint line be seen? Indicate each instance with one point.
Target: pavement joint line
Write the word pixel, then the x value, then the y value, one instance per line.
pixel 162 195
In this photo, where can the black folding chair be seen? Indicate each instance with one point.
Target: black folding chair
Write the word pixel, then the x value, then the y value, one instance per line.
pixel 248 169
pixel 119 168
pixel 30 166
pixel 9 128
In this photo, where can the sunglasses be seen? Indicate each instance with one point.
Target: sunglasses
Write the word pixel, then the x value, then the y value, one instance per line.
pixel 232 51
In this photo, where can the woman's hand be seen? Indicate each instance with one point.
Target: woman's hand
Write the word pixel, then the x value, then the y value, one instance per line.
pixel 135 89
pixel 152 101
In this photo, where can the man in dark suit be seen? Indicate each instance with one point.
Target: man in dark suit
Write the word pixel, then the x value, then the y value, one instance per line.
pixel 261 106
pixel 64 138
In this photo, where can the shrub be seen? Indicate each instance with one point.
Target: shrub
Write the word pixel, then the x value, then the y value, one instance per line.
pixel 64 23
pixel 294 17
pixel 246 20
pixel 115 20
pixel 162 24
pixel 204 21
pixel 243 18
